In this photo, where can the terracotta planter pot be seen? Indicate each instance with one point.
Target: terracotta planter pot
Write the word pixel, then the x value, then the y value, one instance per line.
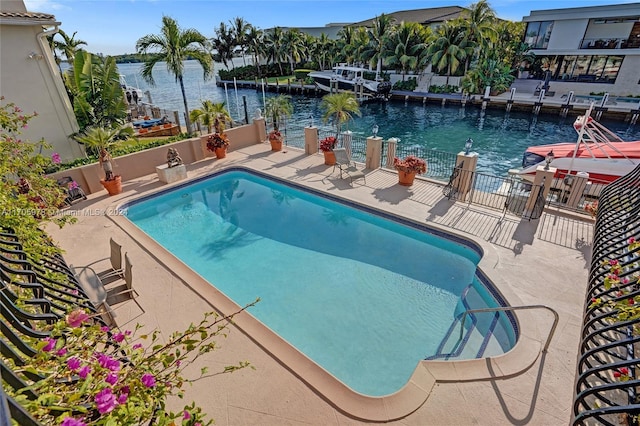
pixel 329 158
pixel 276 144
pixel 406 178
pixel 221 152
pixel 113 187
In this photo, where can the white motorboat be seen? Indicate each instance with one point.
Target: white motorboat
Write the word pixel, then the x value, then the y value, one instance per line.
pixel 348 78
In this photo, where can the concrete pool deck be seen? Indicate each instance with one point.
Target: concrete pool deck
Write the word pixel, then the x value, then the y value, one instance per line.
pixel 544 261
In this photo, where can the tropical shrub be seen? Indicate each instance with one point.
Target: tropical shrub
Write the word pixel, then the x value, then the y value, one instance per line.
pixel 29 198
pixel 409 84
pixel 301 74
pixel 86 374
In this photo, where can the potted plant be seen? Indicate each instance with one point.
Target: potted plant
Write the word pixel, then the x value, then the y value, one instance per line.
pixel 326 146
pixel 338 108
pixel 99 139
pixel 218 143
pixel 277 109
pixel 408 168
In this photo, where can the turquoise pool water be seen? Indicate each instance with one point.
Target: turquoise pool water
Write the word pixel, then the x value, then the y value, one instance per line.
pixel 363 296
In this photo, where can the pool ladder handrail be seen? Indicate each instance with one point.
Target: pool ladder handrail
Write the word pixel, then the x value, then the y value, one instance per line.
pixel 515 308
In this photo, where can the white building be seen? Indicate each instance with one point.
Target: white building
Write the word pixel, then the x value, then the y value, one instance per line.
pixel 588 49
pixel 30 78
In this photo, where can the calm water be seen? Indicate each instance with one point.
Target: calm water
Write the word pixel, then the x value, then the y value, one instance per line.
pixel 500 138
pixel 349 289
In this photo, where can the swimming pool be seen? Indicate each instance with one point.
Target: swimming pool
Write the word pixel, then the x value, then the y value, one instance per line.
pixel 365 297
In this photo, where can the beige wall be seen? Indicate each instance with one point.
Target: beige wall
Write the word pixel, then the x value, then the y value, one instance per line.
pixel 34 84
pixel 144 163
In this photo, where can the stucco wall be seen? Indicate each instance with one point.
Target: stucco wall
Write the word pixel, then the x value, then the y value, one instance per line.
pixel 137 164
pixel 34 84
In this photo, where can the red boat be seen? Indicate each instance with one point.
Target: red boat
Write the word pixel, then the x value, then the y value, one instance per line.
pixel 598 151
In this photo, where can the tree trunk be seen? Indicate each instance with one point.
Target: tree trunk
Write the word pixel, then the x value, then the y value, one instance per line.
pixel 186 107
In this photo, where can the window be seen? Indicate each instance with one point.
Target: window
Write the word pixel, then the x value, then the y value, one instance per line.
pixel 538 34
pixel 584 68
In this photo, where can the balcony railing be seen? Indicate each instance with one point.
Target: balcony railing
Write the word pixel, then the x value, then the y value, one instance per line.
pixel 610 43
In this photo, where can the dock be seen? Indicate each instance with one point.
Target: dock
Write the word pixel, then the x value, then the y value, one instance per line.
pixel 563 104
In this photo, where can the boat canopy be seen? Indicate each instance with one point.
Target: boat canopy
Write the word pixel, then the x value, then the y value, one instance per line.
pixel 587 150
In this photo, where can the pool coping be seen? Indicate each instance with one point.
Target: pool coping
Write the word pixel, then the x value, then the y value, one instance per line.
pixel 385 408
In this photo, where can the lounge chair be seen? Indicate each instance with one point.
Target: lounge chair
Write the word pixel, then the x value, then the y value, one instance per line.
pixel 74 191
pixel 344 163
pixel 125 292
pixel 115 258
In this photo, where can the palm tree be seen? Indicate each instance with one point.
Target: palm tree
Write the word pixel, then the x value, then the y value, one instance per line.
pixel 449 49
pixel 224 43
pixel 376 49
pixel 69 46
pixel 292 44
pixel 255 44
pixel 406 46
pixel 213 115
pixel 173 46
pixel 321 51
pixel 339 107
pixel 278 108
pixel 98 139
pixel 240 29
pixel 274 43
pixel 95 92
pixel 478 23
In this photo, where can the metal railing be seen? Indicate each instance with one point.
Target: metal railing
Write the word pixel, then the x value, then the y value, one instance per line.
pixel 552 331
pixel 439 163
pixel 562 193
pixel 33 293
pixel 606 389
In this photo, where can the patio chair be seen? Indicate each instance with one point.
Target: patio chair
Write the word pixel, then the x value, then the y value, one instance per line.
pixel 125 292
pixel 344 163
pixel 74 191
pixel 115 258
pixel 104 311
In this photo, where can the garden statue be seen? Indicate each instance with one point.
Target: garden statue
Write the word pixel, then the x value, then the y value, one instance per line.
pixel 105 162
pixel 173 158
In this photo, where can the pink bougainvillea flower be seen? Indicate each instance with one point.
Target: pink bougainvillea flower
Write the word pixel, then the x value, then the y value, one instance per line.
pixel 73 363
pixel 122 398
pixel 148 380
pixel 631 301
pixel 127 332
pixel 631 240
pixel 118 337
pixel 76 318
pixel 137 346
pixel 112 378
pixel 109 363
pixel 51 344
pixel 70 421
pixel 104 328
pixel 178 363
pixel 84 371
pixel 105 401
pixel 55 158
pixel 186 415
pixel 61 352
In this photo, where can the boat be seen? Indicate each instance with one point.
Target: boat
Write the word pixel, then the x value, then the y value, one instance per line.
pixel 130 90
pixel 349 78
pixel 597 151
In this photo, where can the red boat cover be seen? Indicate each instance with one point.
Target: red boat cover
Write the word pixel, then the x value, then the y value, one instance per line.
pixel 598 150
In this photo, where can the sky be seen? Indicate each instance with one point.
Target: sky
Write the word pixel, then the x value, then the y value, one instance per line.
pixel 112 27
